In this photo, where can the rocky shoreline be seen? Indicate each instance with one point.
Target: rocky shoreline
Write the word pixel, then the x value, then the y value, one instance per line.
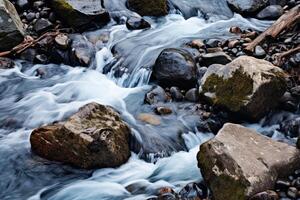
pixel 217 80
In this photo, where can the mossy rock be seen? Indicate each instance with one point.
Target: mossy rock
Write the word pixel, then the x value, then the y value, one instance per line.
pixel 81 14
pixel 247 86
pixel 149 7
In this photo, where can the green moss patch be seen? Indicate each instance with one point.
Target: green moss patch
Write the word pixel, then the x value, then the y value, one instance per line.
pixel 230 93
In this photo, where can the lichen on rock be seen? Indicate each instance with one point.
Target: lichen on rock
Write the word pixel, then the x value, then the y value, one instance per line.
pixel 248 86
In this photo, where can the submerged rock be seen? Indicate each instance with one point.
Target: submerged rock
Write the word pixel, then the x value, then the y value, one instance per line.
pixel 83 51
pixel 247 6
pixel 239 162
pixel 81 14
pixel 155 95
pixel 135 23
pixel 175 67
pixel 149 7
pixel 93 137
pixel 247 86
pixel 11 27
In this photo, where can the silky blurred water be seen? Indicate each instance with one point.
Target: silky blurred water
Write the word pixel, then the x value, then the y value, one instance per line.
pixel 29 100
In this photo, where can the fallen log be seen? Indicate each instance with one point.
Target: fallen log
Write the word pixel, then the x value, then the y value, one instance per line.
pixel 284 23
pixel 279 58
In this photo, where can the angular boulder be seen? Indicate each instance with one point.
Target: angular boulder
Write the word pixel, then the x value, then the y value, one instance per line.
pixel 246 7
pixel 81 14
pixel 94 137
pixel 149 7
pixel 175 67
pixel 239 162
pixel 247 86
pixel 11 27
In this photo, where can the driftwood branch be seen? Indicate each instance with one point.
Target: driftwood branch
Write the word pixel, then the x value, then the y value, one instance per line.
pixel 285 22
pixel 30 42
pixel 27 43
pixel 281 57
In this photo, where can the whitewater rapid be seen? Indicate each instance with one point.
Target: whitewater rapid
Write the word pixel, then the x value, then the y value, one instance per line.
pixel 29 100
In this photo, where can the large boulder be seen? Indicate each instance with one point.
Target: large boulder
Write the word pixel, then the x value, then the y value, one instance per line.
pixel 247 86
pixel 175 67
pixel 93 137
pixel 81 14
pixel 149 7
pixel 239 162
pixel 246 7
pixel 11 27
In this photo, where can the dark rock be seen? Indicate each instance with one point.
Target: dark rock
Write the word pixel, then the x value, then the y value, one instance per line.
pixel 212 43
pixel 291 127
pixel 81 14
pixel 11 27
pixel 162 110
pixel 234 172
pixel 239 88
pixel 6 63
pixel 42 25
pixel 271 12
pixel 215 58
pixel 30 16
pixel 259 52
pixel 135 23
pixel 247 7
pixel 212 124
pixel 156 95
pixel 278 2
pixel 282 185
pixel 149 7
pixel 22 4
pixel 267 195
pixel 83 51
pixel 38 4
pixel 93 137
pixel 192 95
pixel 176 94
pixel 175 67
pixel 29 54
pixel 194 191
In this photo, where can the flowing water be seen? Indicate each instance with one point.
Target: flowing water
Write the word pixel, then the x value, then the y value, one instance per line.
pixel 120 78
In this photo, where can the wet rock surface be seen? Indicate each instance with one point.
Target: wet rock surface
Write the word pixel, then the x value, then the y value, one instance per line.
pixel 247 6
pixel 81 14
pixel 234 172
pixel 175 67
pixel 93 137
pixel 11 28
